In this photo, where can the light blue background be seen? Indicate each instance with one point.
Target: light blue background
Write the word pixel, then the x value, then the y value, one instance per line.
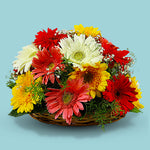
pixel 124 23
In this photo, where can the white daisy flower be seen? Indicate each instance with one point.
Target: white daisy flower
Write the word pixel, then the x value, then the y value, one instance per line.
pixel 81 50
pixel 24 59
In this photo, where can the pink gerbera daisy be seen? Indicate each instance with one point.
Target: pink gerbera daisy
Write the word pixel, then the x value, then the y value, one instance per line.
pixel 68 101
pixel 46 63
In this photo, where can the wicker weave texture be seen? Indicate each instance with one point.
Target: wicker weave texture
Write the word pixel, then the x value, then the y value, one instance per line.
pixel 50 119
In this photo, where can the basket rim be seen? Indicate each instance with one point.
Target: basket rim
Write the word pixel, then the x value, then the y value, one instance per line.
pixel 85 121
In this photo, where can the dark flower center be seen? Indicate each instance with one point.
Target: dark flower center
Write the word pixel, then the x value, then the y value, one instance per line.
pixel 88 77
pixel 67 97
pixel 117 93
pixel 53 38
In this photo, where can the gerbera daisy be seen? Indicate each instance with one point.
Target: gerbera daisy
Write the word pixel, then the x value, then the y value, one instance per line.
pixel 96 76
pixel 24 61
pixel 111 50
pixel 80 29
pixel 69 100
pixel 23 99
pixel 80 50
pixel 48 39
pixel 46 63
pixel 134 84
pixel 120 90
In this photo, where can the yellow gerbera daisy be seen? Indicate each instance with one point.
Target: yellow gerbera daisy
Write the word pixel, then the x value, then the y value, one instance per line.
pixel 96 76
pixel 80 29
pixel 22 98
pixel 134 84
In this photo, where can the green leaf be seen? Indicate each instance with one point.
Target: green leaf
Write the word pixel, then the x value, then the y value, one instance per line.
pixel 15 114
pixel 135 110
pixel 11 83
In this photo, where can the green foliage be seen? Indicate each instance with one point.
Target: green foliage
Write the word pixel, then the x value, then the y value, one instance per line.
pixel 102 110
pixel 11 83
pixel 37 91
pixel 135 110
pixel 64 74
pixel 114 71
pixel 15 114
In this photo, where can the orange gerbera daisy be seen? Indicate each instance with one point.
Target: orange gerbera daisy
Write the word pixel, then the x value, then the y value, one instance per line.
pixel 96 76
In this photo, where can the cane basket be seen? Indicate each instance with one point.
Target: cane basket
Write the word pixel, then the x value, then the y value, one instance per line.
pixel 86 121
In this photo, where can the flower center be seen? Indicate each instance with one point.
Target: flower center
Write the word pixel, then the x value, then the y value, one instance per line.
pixel 88 77
pixel 78 56
pixel 67 97
pixel 51 66
pixel 52 38
pixel 117 93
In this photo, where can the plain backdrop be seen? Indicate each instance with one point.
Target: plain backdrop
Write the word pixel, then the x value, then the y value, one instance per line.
pixel 125 23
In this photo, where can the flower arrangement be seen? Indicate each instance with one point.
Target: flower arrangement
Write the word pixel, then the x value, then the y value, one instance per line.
pixel 72 75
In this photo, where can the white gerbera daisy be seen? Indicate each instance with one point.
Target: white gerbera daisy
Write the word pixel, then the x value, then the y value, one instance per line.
pixel 81 50
pixel 24 61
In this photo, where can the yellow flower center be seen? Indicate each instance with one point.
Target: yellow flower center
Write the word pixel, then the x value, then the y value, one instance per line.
pixel 51 66
pixel 78 56
pixel 67 97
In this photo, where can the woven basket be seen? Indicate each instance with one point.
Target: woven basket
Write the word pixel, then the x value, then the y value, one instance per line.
pixel 86 121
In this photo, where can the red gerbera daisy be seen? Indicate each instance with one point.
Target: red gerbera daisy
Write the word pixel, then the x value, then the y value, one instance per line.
pixel 119 90
pixel 119 55
pixel 46 63
pixel 48 39
pixel 109 48
pixel 68 100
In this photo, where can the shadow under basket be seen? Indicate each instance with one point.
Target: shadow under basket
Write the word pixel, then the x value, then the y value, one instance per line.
pixel 86 121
